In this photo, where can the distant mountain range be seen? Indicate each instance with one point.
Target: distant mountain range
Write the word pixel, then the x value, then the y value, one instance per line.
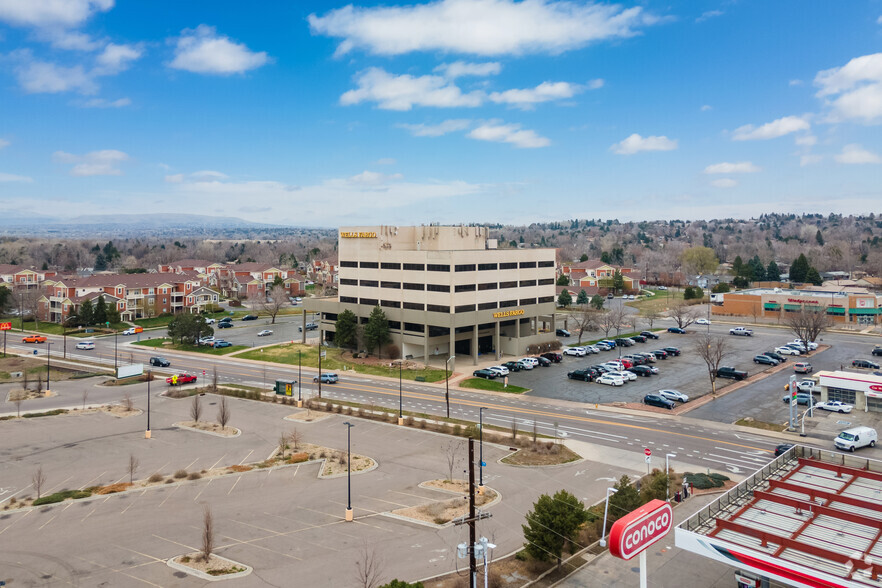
pixel 130 221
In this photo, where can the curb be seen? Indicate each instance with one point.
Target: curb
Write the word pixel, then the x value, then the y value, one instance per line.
pixel 203 576
pixel 180 425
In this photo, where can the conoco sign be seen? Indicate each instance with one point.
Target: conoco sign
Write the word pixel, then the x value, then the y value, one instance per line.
pixel 639 529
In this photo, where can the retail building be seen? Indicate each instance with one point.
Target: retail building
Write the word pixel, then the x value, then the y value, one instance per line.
pixel 843 306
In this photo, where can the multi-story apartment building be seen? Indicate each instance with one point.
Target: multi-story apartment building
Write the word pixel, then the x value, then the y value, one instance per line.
pixel 596 276
pixel 445 290
pixel 20 277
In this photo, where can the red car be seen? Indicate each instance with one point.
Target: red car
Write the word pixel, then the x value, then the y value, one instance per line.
pixel 179 379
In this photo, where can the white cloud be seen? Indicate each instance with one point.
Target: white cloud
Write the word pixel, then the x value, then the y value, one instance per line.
pixel 806 140
pixel 635 143
pixel 508 133
pixel 461 68
pixel 4 143
pixel 795 82
pixel 47 13
pixel 385 161
pixel 69 40
pixel 810 159
pixel 479 27
pixel 370 178
pixel 706 107
pixel 854 154
pixel 208 174
pixel 95 163
pixel 403 92
pixel 724 183
pixel 202 50
pixel 596 84
pixel 709 14
pixel 776 128
pixel 742 167
pixel 853 91
pixel 448 126
pixel 526 99
pixel 116 58
pixel 174 178
pixel 103 103
pixel 14 178
pixel 43 77
pixel 879 20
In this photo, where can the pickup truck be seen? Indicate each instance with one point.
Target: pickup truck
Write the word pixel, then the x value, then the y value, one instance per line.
pixel 741 332
pixel 732 373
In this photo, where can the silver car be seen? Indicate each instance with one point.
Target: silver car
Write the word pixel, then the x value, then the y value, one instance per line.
pixel 674 395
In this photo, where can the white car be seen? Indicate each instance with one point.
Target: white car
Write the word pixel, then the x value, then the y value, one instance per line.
pixel 702 321
pixel 531 360
pixel 210 321
pixel 592 349
pixel 610 380
pixel 129 331
pixel 206 340
pixel 834 406
pixel 674 395
pixel 525 365
pixel 625 375
pixel 86 345
pixel 787 351
pixel 577 351
pixel 265 333
pixel 801 344
pixel 499 369
pixel 614 365
pixel 806 386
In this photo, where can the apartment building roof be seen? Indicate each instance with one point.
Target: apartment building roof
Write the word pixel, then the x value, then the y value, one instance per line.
pixel 191 263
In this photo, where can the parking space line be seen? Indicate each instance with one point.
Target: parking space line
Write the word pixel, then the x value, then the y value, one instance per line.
pixel 251 543
pixel 386 501
pixel 95 479
pixel 246 457
pixel 218 461
pixel 195 498
pixel 234 485
pixel 191 464
pixel 175 542
pixel 175 489
pixel 16 520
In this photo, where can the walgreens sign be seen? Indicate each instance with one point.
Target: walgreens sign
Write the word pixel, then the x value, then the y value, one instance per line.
pixel 636 531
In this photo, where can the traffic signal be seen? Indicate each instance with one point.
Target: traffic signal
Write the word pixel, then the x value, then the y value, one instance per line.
pixel 786 387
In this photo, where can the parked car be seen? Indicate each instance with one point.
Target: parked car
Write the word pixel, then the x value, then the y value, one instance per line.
pixel 224 325
pixel 610 296
pixel 621 342
pixel 649 334
pixel 835 406
pixel 652 369
pixel 512 366
pixel 673 395
pixel 249 317
pixel 594 349
pixel 672 351
pixel 858 363
pixel 500 370
pixel 264 333
pixel 877 350
pixel 554 356
pixel 34 339
pixel 327 378
pixel 638 338
pixel 226 319
pixel 562 333
pixel 210 321
pixel 648 356
pixel 610 380
pixel 221 343
pixel 531 360
pixel 660 354
pixel 802 367
pixel 808 386
pixel 641 370
pixel 764 359
pixel 741 332
pixel 811 344
pixel 86 345
pixel 731 373
pixel 524 364
pixel 179 379
pixel 159 362
pixel 677 330
pixel 856 438
pixel 783 448
pixel 543 361
pixel 603 369
pixel 702 321
pixel 486 374
pixel 309 327
pixel 587 375
pixel 784 350
pixel 576 351
pixel 801 398
pixel 778 356
pixel 206 340
pixel 659 401
pixel 626 375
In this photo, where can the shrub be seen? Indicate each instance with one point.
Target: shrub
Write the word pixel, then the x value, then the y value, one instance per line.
pixel 704 481
pixel 169 481
pixel 298 457
pixel 60 496
pixel 194 476
pixel 157 477
pixel 181 474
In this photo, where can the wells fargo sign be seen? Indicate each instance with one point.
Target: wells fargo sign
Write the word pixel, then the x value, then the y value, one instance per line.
pixel 507 313
pixel 357 235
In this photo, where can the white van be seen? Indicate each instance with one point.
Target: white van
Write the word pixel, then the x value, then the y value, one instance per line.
pixel 855 438
pixel 531 360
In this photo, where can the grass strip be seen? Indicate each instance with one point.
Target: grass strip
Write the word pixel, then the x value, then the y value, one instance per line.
pixel 491 385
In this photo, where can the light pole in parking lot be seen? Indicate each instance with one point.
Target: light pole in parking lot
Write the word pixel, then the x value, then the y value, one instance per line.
pixel 447 384
pixel 400 395
pixel 48 369
pixel 668 475
pixel 349 470
pixel 149 377
pixel 115 349
pixel 481 447
pixel 299 380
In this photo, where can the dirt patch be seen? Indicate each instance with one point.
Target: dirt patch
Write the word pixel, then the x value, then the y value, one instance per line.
pixel 308 416
pixel 444 511
pixel 457 486
pixel 335 459
pixel 210 427
pixel 113 488
pixel 22 394
pixel 239 468
pixel 751 422
pixel 542 454
pixel 214 566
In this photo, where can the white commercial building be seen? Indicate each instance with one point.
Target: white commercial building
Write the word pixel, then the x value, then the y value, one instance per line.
pixel 864 391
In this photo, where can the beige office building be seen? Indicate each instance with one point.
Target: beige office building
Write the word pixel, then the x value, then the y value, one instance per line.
pixel 445 290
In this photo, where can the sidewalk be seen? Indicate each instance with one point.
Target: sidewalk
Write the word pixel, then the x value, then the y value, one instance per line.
pixel 668 565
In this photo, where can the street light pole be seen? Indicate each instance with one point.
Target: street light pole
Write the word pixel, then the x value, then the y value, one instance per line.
pixel 668 475
pixel 447 384
pixel 400 410
pixel 605 511
pixel 149 377
pixel 349 516
pixel 48 362
pixel 115 349
pixel 299 381
pixel 481 449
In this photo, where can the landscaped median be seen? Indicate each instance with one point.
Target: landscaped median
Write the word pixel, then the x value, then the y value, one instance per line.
pixel 166 343
pixel 338 359
pixel 491 385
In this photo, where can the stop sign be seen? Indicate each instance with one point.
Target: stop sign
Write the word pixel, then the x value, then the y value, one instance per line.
pixel 647 451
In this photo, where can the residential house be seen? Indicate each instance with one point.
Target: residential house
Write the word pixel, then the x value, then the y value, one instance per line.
pixel 598 275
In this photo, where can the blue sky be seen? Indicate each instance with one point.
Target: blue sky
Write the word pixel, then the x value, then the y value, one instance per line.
pixel 327 114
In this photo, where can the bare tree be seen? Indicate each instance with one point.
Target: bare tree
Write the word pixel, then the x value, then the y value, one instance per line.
pixel 223 412
pixel 85 397
pixel 368 568
pixel 17 398
pixel 808 324
pixel 514 429
pixel 283 443
pixel 535 432
pixel 38 480
pixel 207 534
pixel 195 409
pixel 684 314
pixel 296 438
pixel 585 320
pixel 618 316
pixel 276 300
pixel 649 316
pixel 25 379
pixel 39 384
pixel 607 321
pixel 451 453
pixel 712 349
pixel 127 402
pixel 134 462
pixel 214 379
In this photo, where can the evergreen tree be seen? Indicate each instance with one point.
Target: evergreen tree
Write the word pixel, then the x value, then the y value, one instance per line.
pixel 347 328
pixel 799 269
pixel 100 263
pixel 100 314
pixel 618 281
pixel 584 257
pixel 376 331
pixel 597 302
pixel 772 272
pixel 688 293
pixel 819 238
pixel 553 522
pixel 85 316
pixel 738 265
pixel 112 314
pixel 813 277
pixel 758 269
pixel 605 258
pixel 563 280
pixel 582 298
pixel 625 500
pixel 564 299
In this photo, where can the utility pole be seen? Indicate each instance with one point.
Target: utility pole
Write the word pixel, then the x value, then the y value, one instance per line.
pixel 473 564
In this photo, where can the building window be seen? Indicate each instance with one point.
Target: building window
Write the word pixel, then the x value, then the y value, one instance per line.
pixel 544 299
pixel 434 267
pixel 390 265
pixel 482 267
pixel 369 301
pixel 369 265
pixel 528 283
pixel 465 267
pixel 546 281
pixel 390 303
pixel 414 267
pixel 841 394
pixel 349 299
pixel 395 285
pixel 412 286
pixel 526 301
pixel 465 308
pixel 546 264
pixel 508 303
pixel 464 288
pixel 370 283
pixel 165 300
pixel 505 266
pixel 508 284
pixel 348 264
pixel 438 308
pixel 527 264
pixel 412 306
pixel 437 287
pixel 487 306
pixel 348 282
pixel 413 327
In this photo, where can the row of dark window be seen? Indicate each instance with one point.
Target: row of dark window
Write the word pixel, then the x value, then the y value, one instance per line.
pixel 432 267
pixel 445 287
